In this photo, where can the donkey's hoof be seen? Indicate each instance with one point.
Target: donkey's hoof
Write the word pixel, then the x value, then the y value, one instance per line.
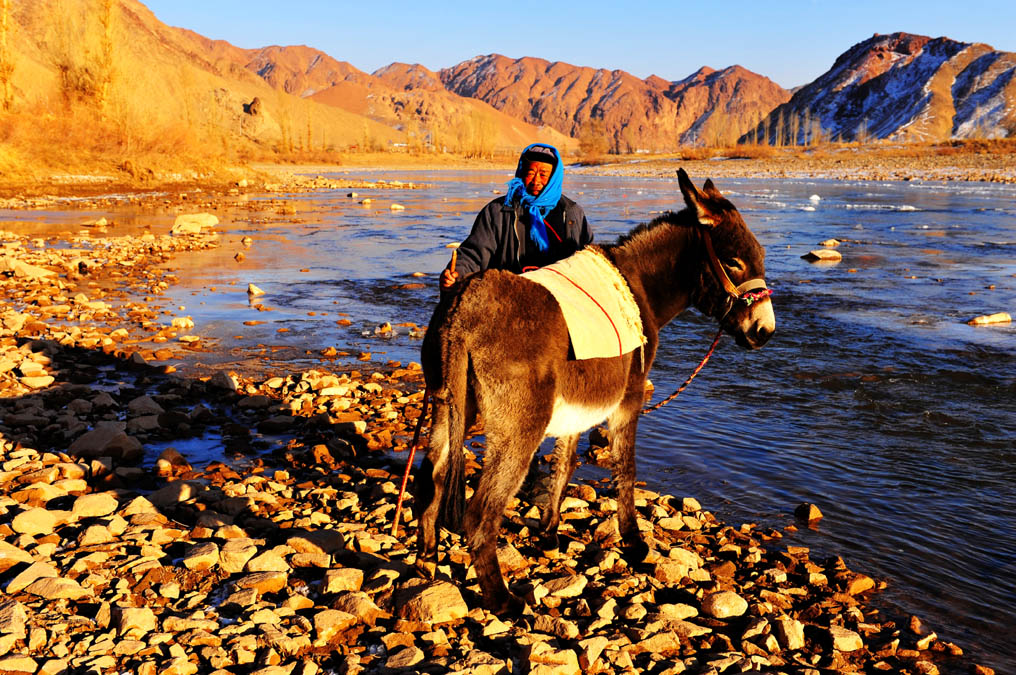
pixel 550 546
pixel 635 552
pixel 510 607
pixel 426 568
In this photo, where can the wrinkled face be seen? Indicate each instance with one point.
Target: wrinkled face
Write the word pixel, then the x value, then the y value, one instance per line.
pixel 535 176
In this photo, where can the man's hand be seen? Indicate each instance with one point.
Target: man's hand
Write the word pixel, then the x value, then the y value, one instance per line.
pixel 449 278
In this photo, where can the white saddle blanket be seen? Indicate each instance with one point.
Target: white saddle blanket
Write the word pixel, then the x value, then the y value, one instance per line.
pixel 603 319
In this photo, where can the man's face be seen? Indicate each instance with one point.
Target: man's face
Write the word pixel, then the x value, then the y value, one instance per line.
pixel 536 176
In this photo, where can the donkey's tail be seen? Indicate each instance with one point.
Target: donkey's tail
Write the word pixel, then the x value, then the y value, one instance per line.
pixel 456 394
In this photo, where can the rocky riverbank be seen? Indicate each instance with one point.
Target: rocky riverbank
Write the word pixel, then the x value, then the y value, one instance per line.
pixel 117 555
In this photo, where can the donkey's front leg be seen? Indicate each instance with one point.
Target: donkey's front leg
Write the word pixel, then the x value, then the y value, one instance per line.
pixel 563 466
pixel 623 425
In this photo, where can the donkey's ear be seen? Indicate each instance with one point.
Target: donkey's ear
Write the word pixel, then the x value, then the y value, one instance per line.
pixel 710 190
pixel 695 199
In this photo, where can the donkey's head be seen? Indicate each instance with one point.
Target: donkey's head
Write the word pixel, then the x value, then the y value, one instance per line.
pixel 732 288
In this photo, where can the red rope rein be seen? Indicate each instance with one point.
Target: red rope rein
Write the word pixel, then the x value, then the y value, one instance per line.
pixel 691 377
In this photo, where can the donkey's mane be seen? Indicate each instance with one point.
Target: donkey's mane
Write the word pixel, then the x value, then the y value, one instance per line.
pixel 667 218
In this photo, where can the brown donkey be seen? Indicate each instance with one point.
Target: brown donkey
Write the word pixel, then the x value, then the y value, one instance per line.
pixel 500 348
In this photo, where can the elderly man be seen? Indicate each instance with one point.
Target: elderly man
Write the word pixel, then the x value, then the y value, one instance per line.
pixel 533 225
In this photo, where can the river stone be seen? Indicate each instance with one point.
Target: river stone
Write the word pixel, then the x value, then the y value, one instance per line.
pixel 94 505
pixel 360 605
pixel 11 555
pixel 724 605
pixel 430 601
pixel 342 579
pixel 404 657
pixel 34 521
pixel 570 586
pixel 663 643
pixel 235 554
pixel 845 640
pixel 16 663
pixel 107 440
pixel 12 617
pixel 263 582
pixel 789 633
pixel 57 588
pixel 330 622
pixel 37 381
pixel 174 493
pixel 201 556
pixel 144 405
pixel 269 561
pixel 133 622
pixel 200 220
pixel 560 661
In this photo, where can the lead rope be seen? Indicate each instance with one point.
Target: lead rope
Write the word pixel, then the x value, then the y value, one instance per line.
pixel 691 377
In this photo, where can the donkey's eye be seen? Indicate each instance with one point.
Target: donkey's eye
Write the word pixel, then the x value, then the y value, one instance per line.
pixel 735 264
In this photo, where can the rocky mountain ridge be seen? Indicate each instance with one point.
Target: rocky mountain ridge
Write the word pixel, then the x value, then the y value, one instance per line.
pixel 901 87
pixel 708 107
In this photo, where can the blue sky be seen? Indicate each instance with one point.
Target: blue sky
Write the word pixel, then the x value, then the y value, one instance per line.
pixel 791 42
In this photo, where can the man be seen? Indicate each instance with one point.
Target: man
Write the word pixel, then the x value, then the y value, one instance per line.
pixel 533 225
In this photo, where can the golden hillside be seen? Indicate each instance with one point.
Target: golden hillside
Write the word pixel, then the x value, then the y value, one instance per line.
pixel 101 85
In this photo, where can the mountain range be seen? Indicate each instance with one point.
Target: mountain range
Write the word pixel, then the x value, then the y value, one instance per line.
pixel 901 87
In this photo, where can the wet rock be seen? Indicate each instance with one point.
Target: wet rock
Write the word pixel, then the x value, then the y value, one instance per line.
pixel 193 223
pixel 808 512
pixel 987 319
pixel 107 440
pixel 823 255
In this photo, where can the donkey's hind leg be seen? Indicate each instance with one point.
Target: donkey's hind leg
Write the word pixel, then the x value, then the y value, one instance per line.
pixel 429 489
pixel 509 452
pixel 563 466
pixel 623 425
pixel 440 484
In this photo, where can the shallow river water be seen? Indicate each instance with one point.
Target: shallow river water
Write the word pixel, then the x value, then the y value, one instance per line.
pixel 874 400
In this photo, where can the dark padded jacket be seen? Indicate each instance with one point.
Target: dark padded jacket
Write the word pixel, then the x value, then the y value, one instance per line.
pixel 500 238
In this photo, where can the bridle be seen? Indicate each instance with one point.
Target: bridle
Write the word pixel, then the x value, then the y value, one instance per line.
pixel 750 292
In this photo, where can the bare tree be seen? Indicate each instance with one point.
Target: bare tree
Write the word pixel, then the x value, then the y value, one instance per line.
pixel 6 59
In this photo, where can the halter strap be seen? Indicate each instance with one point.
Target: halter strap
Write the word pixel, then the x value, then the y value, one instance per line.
pixel 749 292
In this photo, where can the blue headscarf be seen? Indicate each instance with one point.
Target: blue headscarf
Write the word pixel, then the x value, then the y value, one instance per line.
pixel 538 207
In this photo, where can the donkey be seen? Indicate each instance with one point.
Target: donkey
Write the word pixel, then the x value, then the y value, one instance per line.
pixel 500 348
